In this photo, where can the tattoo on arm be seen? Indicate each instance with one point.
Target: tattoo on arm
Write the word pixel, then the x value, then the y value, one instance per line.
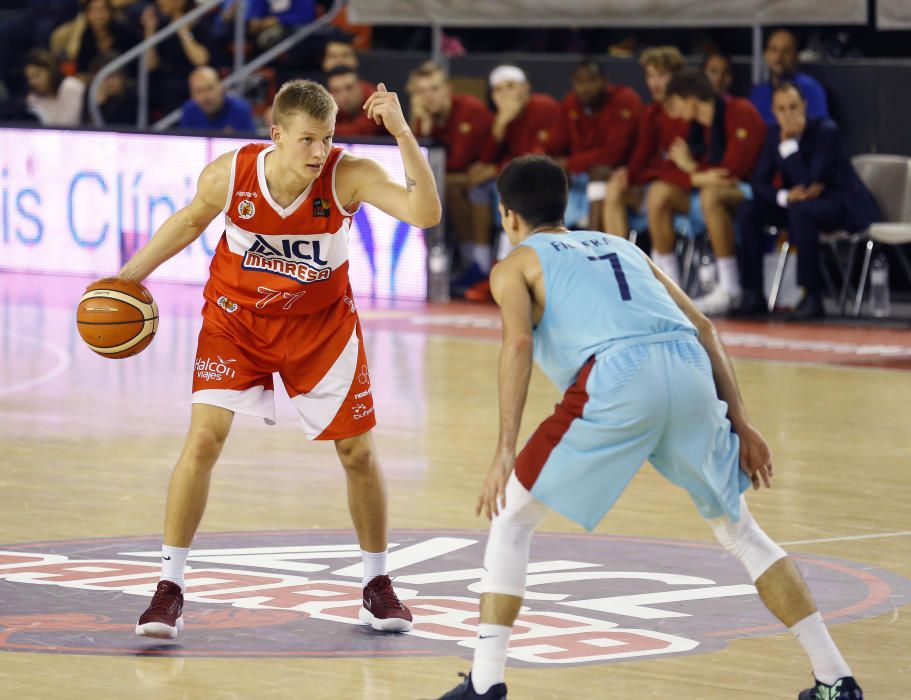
pixel 410 183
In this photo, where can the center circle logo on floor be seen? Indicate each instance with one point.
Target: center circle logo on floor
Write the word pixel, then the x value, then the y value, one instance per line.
pixel 590 599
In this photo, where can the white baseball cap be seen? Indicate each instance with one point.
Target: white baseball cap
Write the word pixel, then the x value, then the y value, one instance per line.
pixel 504 74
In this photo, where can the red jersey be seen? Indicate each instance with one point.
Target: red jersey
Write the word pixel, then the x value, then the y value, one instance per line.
pixel 744 133
pixel 277 260
pixel 464 132
pixel 649 160
pixel 604 136
pixel 358 124
pixel 537 130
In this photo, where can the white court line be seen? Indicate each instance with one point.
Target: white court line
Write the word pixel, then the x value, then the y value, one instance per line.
pixel 851 537
pixel 63 362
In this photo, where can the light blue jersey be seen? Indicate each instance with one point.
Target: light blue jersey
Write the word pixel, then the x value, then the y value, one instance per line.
pixel 600 297
pixel 638 386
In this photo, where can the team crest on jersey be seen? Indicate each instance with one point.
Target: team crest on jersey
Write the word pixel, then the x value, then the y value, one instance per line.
pixel 321 207
pixel 246 210
pixel 227 304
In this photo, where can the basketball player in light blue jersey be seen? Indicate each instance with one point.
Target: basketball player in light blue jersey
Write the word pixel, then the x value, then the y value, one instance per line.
pixel 645 378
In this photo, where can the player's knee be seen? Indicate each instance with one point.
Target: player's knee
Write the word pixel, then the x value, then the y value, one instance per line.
pixel 710 198
pixel 746 541
pixel 659 197
pixel 356 456
pixel 511 529
pixel 204 444
pixel 613 194
pixel 506 556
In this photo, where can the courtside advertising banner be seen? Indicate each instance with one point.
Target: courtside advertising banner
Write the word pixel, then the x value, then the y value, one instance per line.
pixel 81 202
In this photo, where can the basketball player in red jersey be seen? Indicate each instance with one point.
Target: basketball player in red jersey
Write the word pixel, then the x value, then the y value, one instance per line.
pixel 278 300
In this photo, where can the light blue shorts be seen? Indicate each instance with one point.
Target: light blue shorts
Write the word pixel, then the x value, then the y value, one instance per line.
pixel 697 218
pixel 689 225
pixel 654 402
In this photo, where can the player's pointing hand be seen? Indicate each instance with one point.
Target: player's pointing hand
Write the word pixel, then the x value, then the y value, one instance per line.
pixel 384 108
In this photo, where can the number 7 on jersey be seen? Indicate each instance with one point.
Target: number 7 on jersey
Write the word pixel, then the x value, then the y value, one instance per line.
pixel 618 273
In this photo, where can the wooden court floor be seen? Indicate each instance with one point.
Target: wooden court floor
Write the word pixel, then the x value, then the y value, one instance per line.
pixel 87 444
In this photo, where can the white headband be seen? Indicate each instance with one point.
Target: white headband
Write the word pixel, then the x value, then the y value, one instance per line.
pixel 503 74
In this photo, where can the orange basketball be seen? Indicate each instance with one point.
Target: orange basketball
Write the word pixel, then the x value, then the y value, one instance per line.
pixel 117 317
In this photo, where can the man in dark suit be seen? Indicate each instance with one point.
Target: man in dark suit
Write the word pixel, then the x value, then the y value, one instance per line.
pixel 805 183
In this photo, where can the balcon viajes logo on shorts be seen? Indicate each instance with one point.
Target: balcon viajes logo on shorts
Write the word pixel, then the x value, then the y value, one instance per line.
pixel 297 259
pixel 209 369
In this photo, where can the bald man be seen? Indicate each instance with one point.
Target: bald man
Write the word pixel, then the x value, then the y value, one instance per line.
pixel 209 108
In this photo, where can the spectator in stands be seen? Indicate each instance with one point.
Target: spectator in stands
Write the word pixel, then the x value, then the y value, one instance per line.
pixel 116 95
pixel 95 33
pixel 171 61
pixel 717 68
pixel 804 182
pixel 600 121
pixel 781 59
pixel 54 99
pixel 525 122
pixel 210 108
pixel 269 21
pixel 629 187
pixel 349 94
pixel 717 160
pixel 461 123
pixel 338 51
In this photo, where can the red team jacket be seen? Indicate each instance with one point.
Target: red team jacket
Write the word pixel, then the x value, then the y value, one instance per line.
pixel 744 133
pixel 537 130
pixel 656 133
pixel 464 133
pixel 604 137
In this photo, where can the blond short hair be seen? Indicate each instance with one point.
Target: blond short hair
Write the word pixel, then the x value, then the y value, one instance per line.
pixel 303 97
pixel 426 70
pixel 666 59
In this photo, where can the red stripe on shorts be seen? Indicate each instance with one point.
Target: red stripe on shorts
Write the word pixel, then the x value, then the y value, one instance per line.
pixel 537 450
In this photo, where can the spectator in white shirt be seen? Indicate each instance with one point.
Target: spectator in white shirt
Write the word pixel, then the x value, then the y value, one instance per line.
pixel 55 100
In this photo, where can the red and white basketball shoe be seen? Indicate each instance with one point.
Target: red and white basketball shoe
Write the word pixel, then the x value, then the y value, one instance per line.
pixel 382 609
pixel 163 618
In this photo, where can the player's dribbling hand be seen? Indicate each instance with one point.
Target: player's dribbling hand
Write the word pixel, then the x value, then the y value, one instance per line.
pixel 383 107
pixel 493 494
pixel 755 457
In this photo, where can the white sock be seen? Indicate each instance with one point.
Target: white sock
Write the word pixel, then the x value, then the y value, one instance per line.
pixel 173 563
pixel 481 254
pixel 489 664
pixel 668 264
pixel 828 664
pixel 729 275
pixel 374 565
